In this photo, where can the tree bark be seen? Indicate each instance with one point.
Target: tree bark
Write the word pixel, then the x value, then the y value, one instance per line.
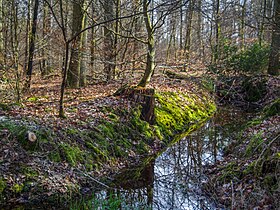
pixel 46 66
pixel 109 55
pixel 73 76
pixel 274 64
pixel 83 49
pixel 32 45
pixel 189 19
pixel 218 33
pixel 1 33
pixel 150 63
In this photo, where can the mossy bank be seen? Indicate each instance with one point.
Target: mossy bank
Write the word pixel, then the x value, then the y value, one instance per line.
pixel 63 162
pixel 250 168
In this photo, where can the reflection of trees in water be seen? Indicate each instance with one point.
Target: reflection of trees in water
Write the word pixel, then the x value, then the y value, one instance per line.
pixel 178 173
pixel 174 180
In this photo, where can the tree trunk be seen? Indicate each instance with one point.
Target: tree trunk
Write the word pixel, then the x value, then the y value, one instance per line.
pixel 27 28
pixel 217 47
pixel 46 68
pixel 15 49
pixel 261 28
pixel 1 33
pixel 32 45
pixel 83 49
pixel 172 34
pixel 150 63
pixel 73 76
pixel 109 55
pixel 242 27
pixel 93 44
pixel 274 64
pixel 63 84
pixel 189 17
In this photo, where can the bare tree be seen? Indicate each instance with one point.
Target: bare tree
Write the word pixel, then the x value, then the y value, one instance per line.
pixel 32 45
pixel 274 64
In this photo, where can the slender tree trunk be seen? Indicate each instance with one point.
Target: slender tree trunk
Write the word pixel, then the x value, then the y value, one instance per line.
pixel 171 37
pixel 109 57
pixel 274 64
pixel 199 27
pixel 181 27
pixel 63 84
pixel 83 49
pixel 218 33
pixel 137 28
pixel 92 42
pixel 150 63
pixel 73 76
pixel 189 18
pixel 1 33
pixel 32 46
pixel 15 43
pixel 117 30
pixel 261 30
pixel 28 25
pixel 46 63
pixel 242 27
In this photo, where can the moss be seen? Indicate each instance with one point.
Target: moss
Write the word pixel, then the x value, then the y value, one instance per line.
pixel 5 107
pixel 19 131
pixel 73 154
pixel 253 123
pixel 175 112
pixel 141 126
pixel 158 133
pixel 30 173
pixel 252 169
pixel 270 182
pixel 54 156
pixel 229 172
pixel 254 145
pixel 107 129
pixel 272 109
pixel 97 152
pixel 2 185
pixel 72 131
pixel 17 188
pixel 33 99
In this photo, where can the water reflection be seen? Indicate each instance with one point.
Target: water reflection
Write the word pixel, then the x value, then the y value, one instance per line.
pixel 173 180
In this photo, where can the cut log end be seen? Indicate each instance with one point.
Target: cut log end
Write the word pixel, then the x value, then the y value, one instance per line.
pixel 31 136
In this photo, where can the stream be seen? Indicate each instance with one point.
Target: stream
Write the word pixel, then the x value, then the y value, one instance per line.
pixel 174 179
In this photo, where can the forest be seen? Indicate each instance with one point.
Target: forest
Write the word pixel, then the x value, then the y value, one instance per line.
pixel 141 104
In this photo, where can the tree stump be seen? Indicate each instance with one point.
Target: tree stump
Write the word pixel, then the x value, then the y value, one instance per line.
pixel 145 97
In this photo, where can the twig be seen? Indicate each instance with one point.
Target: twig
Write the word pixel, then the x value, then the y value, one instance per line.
pixel 95 180
pixel 232 195
pixel 263 151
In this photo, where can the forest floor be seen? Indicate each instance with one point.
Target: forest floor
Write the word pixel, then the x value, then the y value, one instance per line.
pixel 248 177
pixel 55 164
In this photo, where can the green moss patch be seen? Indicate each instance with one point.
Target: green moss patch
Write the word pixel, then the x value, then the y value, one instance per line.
pixel 272 109
pixel 176 112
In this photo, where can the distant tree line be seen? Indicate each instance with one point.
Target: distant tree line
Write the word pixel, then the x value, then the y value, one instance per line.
pixel 113 39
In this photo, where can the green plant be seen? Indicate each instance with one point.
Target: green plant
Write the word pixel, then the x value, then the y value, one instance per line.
pixel 272 109
pixel 2 185
pixel 254 145
pixel 253 59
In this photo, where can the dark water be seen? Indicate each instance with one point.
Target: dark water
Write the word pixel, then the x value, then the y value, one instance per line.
pixel 174 179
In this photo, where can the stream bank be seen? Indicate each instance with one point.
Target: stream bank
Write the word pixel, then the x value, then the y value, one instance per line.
pixel 248 175
pixel 108 134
